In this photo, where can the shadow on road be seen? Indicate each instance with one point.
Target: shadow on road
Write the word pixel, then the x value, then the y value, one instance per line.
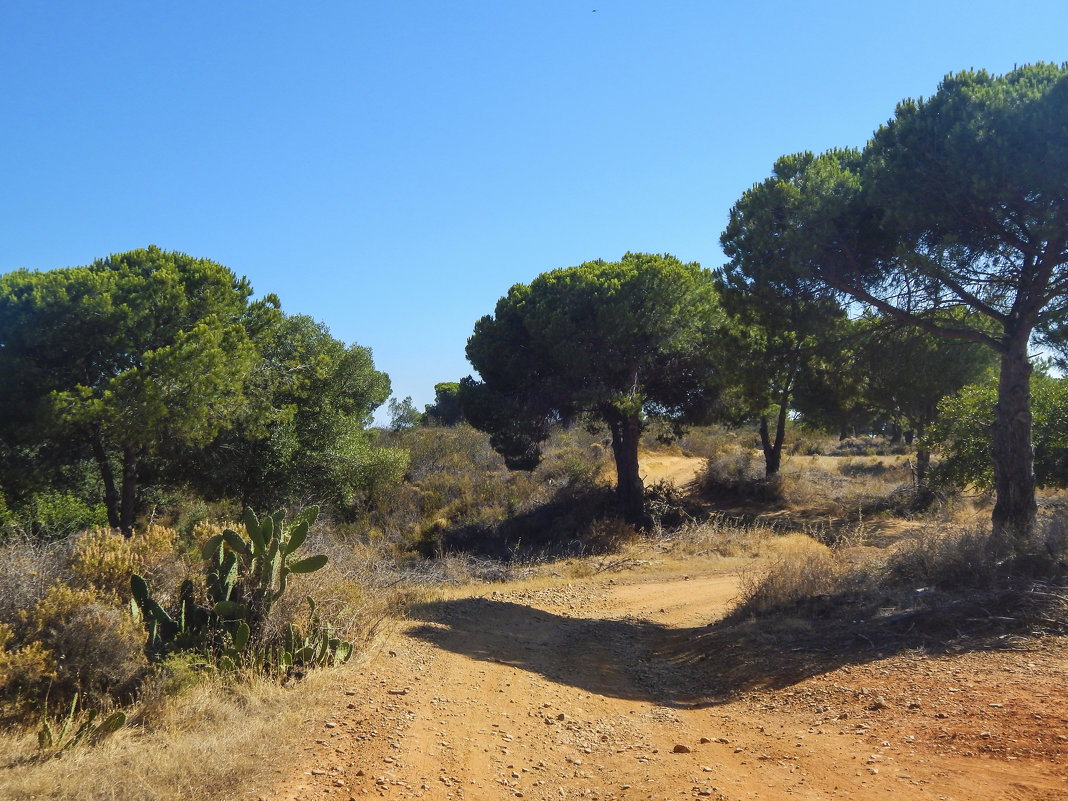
pixel 641 660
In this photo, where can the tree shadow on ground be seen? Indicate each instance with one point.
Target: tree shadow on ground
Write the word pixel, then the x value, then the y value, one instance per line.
pixel 640 660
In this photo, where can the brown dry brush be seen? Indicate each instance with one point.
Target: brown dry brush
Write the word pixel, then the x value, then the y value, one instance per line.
pixel 67 632
pixel 939 584
pixel 66 629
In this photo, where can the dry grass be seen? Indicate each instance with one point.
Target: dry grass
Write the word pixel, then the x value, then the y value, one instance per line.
pixel 214 740
pixel 936 573
pixel 843 485
pixel 829 483
pixel 192 733
pixel 799 569
pixel 719 537
pixel 195 735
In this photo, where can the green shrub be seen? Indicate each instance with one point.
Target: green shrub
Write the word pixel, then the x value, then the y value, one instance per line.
pixel 460 496
pixel 8 521
pixel 962 434
pixel 53 515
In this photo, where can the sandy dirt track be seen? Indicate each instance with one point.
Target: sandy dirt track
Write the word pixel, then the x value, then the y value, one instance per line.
pixel 677 470
pixel 605 688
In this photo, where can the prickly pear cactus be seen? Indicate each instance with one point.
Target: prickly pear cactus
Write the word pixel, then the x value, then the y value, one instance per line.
pixel 252 571
pixel 247 572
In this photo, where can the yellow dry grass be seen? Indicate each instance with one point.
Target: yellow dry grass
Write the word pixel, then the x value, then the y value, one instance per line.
pixel 214 740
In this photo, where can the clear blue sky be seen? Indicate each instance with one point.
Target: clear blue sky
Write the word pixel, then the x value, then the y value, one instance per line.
pixel 392 168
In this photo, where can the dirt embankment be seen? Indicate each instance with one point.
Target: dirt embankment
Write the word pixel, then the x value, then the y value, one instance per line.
pixel 593 689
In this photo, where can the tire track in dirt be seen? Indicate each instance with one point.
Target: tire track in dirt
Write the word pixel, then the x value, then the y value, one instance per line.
pixel 570 692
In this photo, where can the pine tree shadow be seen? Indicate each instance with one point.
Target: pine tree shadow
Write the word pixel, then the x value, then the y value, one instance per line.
pixel 695 667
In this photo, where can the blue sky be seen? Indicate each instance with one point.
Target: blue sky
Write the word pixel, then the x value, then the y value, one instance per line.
pixel 392 168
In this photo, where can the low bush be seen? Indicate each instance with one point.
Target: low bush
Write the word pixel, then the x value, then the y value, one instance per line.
pixel 66 631
pixel 27 569
pixel 25 669
pixel 52 515
pixel 947 559
pixel 803 577
pixel 102 559
pixel 736 475
pixel 710 441
pixel 869 446
pixel 71 644
pixel 804 441
pixel 669 506
pixel 954 577
pixel 561 526
pixel 953 559
pixel 99 649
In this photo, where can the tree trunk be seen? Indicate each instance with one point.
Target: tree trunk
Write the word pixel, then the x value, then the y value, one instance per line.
pixel 111 495
pixel 1015 510
pixel 923 457
pixel 129 490
pixel 773 449
pixel 918 434
pixel 923 465
pixel 630 492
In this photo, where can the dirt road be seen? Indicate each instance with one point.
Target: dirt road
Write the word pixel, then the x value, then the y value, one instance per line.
pixel 678 470
pixel 595 689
